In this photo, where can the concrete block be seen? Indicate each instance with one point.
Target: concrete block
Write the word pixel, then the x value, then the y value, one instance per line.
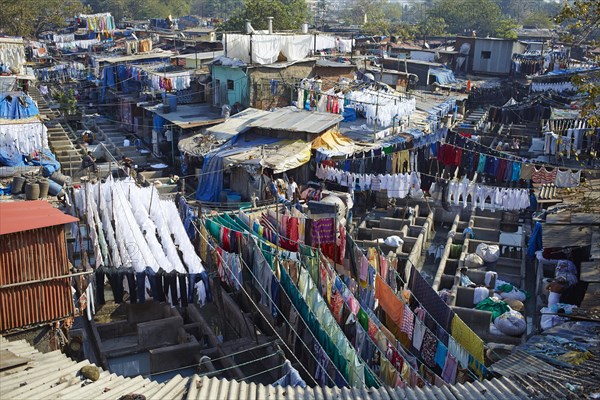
pixel 159 333
pixel 171 357
pixel 144 312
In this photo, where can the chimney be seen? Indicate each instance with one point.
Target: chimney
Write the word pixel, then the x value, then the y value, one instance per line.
pixel 249 28
pixel 305 28
pixel 270 25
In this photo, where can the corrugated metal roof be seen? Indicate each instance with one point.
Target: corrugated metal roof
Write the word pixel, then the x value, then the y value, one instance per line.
pixel 566 235
pixel 54 375
pixel 19 216
pixel 238 123
pixel 544 373
pixel 296 120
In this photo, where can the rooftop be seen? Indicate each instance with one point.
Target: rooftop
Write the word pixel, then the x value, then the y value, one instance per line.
pixel 296 120
pixel 22 216
pixel 189 116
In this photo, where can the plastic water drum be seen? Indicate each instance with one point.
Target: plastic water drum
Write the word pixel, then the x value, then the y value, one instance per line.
pixel 172 102
pixel 17 184
pixel 44 186
pixel 61 179
pixel 32 190
pixel 54 188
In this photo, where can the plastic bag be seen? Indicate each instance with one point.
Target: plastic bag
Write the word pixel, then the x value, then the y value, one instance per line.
pixel 489 253
pixel 473 261
pixel 393 241
pixel 511 323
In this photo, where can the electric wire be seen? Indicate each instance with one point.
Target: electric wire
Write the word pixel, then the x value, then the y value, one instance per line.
pixel 299 338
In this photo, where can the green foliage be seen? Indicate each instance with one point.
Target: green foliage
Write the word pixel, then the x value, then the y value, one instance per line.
pixel 288 15
pixel 539 20
pixel 506 28
pixel 67 102
pixel 30 17
pixel 582 19
pixel 141 9
pixel 215 8
pixel 481 16
pixel 405 31
pixel 435 26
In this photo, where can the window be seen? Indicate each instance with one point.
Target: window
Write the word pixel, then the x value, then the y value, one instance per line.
pixel 230 84
pixel 486 55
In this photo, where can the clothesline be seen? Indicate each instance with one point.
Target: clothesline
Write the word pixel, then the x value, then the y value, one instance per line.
pixel 346 301
pixel 511 157
pixel 298 337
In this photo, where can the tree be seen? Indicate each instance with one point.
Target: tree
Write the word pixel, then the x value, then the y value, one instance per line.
pixel 506 28
pixel 582 19
pixel 287 15
pixel 29 18
pixel 481 16
pixel 539 20
pixel 141 9
pixel 435 26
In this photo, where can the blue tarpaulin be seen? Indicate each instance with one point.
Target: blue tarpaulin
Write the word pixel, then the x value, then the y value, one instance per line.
pixel 17 106
pixel 443 76
pixel 210 184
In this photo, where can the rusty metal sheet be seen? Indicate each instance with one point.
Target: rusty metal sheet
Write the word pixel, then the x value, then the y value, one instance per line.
pixel 27 257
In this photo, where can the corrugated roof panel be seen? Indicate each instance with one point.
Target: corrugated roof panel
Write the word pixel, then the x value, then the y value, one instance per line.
pixel 296 120
pixel 566 235
pixel 19 216
pixel 53 375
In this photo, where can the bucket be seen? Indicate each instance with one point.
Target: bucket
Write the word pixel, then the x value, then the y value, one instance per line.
pixel 32 191
pixel 54 188
pixel 17 184
pixel 44 186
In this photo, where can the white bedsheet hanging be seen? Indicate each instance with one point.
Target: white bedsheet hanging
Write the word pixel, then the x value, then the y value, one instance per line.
pixel 135 243
pixel 325 42
pixel 296 47
pixel 151 201
pixel 146 224
pixel 265 48
pixel 237 46
pixel 23 138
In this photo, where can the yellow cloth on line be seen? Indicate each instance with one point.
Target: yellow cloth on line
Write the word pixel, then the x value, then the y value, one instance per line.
pixel 467 338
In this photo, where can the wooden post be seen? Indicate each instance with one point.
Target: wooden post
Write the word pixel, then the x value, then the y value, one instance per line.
pixel 151 197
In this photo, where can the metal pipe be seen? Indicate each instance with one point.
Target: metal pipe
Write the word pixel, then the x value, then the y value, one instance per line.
pixel 53 278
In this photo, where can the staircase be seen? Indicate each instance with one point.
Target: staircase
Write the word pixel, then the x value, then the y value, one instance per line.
pixel 61 139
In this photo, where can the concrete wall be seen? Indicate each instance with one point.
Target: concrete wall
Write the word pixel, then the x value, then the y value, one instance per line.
pixel 159 333
pixel 112 330
pixel 171 357
pixel 261 95
pixel 144 312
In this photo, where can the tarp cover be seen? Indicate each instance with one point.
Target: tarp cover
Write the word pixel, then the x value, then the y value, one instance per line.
pixel 17 106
